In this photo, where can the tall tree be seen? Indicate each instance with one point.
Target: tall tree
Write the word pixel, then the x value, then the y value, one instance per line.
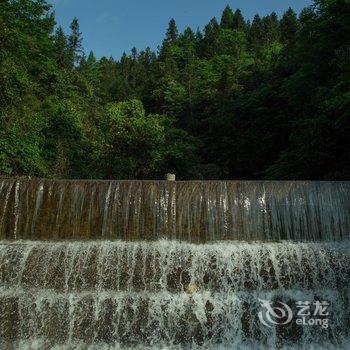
pixel 171 37
pixel 227 18
pixel 271 30
pixel 172 32
pixel 75 42
pixel 256 32
pixel 62 54
pixel 289 26
pixel 238 22
pixel 211 45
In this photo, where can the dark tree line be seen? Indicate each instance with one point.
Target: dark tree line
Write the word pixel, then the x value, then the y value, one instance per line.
pixel 266 99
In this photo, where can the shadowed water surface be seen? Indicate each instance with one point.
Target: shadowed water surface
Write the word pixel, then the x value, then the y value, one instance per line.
pixel 191 211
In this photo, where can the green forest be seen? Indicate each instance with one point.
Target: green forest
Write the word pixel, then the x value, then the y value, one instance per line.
pixel 265 98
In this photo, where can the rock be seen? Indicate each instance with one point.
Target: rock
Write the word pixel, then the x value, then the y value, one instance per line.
pixel 192 289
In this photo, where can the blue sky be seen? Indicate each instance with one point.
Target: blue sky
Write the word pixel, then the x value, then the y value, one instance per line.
pixel 111 27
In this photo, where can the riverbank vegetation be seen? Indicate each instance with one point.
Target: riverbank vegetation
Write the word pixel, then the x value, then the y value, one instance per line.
pixel 262 99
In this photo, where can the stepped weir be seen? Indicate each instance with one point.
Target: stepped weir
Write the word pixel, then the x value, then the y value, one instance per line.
pixel 173 265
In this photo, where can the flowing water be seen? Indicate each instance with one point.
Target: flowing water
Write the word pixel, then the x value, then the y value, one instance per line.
pixel 109 265
pixel 191 211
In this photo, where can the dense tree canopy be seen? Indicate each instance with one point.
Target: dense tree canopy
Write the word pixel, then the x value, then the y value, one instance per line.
pixel 266 99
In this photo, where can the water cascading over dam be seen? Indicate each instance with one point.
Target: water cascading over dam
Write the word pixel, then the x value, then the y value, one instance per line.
pixel 191 211
pixel 147 264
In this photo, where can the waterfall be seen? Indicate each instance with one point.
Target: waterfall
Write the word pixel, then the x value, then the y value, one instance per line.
pixel 190 211
pixel 174 265
pixel 131 293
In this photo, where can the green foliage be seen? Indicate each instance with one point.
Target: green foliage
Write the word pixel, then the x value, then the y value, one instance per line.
pixel 289 26
pixel 170 39
pixel 75 43
pixel 319 92
pixel 140 145
pixel 227 18
pixel 134 142
pixel 268 99
pixel 20 146
pixel 239 22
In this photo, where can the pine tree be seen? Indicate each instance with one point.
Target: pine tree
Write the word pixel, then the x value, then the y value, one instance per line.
pixel 91 60
pixel 188 35
pixel 88 64
pixel 199 35
pixel 238 21
pixel 170 39
pixel 289 26
pixel 75 43
pixel 227 18
pixel 256 32
pixel 211 41
pixel 61 49
pixel 271 31
pixel 147 57
pixel 172 32
pixel 134 53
